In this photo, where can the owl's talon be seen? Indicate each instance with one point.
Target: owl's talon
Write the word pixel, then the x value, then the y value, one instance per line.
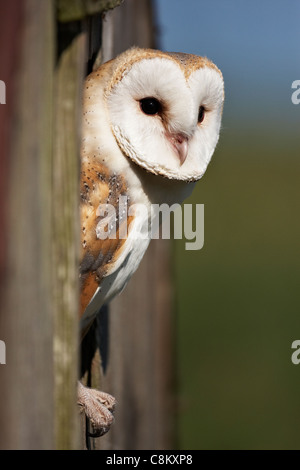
pixel 98 407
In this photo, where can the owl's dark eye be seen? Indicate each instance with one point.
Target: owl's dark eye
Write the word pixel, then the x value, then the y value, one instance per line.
pixel 150 106
pixel 201 114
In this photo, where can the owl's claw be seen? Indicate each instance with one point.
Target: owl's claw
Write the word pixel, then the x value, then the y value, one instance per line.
pixel 98 407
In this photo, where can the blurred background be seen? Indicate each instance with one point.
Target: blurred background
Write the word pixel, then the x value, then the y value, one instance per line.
pixel 237 299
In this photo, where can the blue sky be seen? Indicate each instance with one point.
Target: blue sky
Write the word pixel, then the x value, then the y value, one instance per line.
pixel 255 43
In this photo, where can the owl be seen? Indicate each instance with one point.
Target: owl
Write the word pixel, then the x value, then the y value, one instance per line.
pixel 151 122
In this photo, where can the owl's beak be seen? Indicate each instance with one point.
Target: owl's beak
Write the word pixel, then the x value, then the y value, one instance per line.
pixel 180 144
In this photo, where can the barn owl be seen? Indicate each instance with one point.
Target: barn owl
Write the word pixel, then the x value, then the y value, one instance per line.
pixel 151 122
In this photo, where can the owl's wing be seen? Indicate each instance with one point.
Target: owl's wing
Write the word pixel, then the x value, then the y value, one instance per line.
pixel 100 190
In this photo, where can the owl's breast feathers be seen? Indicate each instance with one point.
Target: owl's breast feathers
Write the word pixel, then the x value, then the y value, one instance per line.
pixel 98 255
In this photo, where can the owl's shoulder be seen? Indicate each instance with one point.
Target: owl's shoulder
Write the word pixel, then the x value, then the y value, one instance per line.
pixel 99 207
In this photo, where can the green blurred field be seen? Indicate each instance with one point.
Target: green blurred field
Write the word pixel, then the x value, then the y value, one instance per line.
pixel 238 300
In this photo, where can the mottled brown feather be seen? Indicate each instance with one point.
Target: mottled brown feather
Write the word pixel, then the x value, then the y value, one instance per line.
pixel 98 186
pixel 123 63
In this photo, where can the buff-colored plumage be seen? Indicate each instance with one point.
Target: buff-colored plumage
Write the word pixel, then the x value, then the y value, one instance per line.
pixel 188 63
pixel 131 153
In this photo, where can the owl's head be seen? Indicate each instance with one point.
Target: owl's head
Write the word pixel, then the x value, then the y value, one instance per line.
pixel 165 110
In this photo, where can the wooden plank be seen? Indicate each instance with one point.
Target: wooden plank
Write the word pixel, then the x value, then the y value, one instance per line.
pixel 139 370
pixel 69 76
pixel 26 404
pixel 72 10
pixel 39 257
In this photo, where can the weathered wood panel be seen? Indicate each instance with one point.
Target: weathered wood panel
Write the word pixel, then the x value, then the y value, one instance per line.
pixel 26 404
pixel 69 75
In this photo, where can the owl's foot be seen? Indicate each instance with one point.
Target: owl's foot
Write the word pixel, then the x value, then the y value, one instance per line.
pixel 98 407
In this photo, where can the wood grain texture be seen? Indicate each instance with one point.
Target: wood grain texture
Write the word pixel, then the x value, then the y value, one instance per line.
pixel 26 405
pixel 72 10
pixel 69 77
